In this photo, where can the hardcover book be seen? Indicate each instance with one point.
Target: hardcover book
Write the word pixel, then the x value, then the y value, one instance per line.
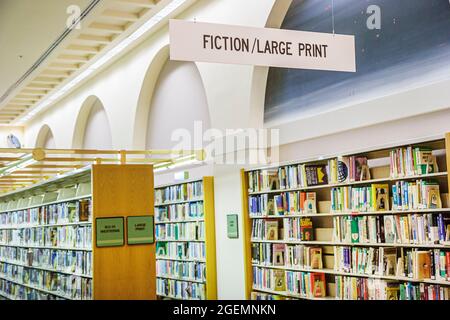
pixel 272 230
pixel 318 285
pixel 278 254
pixel 380 197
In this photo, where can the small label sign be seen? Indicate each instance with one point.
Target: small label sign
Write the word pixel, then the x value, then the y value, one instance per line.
pixel 110 232
pixel 140 230
pixel 232 226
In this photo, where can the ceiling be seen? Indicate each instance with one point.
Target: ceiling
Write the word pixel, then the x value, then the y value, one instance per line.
pixel 29 28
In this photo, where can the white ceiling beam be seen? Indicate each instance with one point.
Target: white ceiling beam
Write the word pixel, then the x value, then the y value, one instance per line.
pixel 33 85
pixel 95 38
pixel 64 66
pixel 82 48
pixel 138 3
pixel 48 80
pixel 120 15
pixel 56 73
pixel 73 57
pixel 106 27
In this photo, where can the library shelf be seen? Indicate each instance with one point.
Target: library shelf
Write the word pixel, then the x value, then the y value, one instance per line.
pixel 89 189
pixel 200 195
pixel 350 213
pixel 382 172
pixel 180 259
pixel 180 279
pixel 354 274
pixel 370 181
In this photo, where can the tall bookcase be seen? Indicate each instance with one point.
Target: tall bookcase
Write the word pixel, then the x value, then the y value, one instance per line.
pixel 350 251
pixel 185 240
pixel 48 237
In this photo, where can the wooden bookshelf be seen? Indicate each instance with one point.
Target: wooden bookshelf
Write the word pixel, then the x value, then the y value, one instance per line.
pixel 379 165
pixel 204 201
pixel 125 272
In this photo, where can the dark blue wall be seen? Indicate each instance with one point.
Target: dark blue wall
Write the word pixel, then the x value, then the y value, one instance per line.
pixel 412 49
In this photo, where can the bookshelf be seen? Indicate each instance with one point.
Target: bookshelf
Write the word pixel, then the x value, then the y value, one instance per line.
pixel 48 241
pixel 185 240
pixel 353 226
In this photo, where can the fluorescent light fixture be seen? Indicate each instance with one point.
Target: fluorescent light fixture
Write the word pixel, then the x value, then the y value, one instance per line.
pixel 167 10
pixel 17 165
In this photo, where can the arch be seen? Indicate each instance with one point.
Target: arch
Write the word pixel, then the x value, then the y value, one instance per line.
pixel 178 107
pixel 146 95
pixel 92 127
pixel 45 138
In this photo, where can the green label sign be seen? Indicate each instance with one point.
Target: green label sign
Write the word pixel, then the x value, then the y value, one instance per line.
pixel 110 232
pixel 140 230
pixel 232 226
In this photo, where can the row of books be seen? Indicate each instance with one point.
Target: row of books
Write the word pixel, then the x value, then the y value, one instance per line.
pixel 360 199
pixel 73 287
pixel 286 203
pixel 180 289
pixel 181 250
pixel 409 229
pixel 419 194
pixel 302 284
pixel 177 212
pixel 78 236
pixel 338 170
pixel 411 161
pixel 179 192
pixel 255 295
pixel 180 231
pixel 280 254
pixel 352 288
pixel 66 212
pixel 181 269
pixel 292 229
pixel 400 262
pixel 18 292
pixel 73 261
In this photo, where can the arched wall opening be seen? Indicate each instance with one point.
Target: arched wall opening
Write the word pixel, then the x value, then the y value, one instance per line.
pixel 45 138
pixel 92 128
pixel 178 108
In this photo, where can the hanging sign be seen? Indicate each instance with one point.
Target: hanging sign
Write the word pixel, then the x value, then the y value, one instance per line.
pixel 208 42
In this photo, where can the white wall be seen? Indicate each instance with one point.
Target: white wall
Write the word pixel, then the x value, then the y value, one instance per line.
pixel 178 102
pixel 97 133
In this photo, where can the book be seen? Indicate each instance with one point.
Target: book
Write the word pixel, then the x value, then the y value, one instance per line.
pixel 279 280
pixel 392 291
pixel 306 229
pixel 309 205
pixel 380 197
pixel 360 169
pixel 316 258
pixel 422 265
pixel 278 254
pixel 84 210
pixel 424 161
pixel 389 261
pixel 354 229
pixel 316 175
pixel 390 235
pixel 343 169
pixel 271 230
pixel 318 285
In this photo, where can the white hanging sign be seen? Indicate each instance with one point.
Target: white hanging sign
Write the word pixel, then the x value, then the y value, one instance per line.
pixel 208 42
